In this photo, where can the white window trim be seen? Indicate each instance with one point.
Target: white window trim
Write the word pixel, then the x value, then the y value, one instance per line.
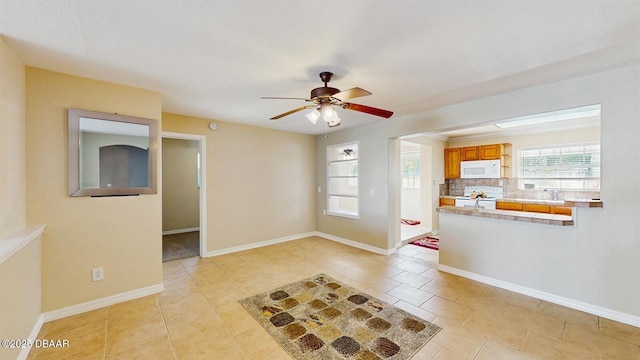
pixel 330 212
pixel 523 180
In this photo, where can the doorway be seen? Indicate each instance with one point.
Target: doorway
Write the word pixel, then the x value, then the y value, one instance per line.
pixel 415 190
pixel 183 196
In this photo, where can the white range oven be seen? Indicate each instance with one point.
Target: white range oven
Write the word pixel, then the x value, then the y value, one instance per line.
pixel 492 192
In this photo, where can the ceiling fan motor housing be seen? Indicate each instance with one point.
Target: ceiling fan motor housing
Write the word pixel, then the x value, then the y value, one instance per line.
pixel 323 93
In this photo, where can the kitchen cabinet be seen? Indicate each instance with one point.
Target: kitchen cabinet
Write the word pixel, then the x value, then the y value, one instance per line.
pixel 490 152
pixel 483 152
pixel 560 210
pixel 536 208
pixel 453 157
pixel 508 206
pixel 470 153
pixel 452 163
pixel 447 202
pixel 539 208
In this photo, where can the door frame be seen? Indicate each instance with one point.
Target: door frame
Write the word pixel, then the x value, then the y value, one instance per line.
pixel 202 147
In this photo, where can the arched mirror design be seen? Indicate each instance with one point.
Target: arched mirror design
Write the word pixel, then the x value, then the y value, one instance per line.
pixel 111 154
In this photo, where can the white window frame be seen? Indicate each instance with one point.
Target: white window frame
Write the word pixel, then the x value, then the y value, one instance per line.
pixel 560 181
pixel 340 169
pixel 410 183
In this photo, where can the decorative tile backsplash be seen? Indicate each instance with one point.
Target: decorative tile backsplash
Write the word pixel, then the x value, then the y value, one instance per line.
pixel 455 187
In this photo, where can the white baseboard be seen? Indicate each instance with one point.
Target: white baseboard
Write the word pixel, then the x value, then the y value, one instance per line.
pixel 100 303
pixel 180 231
pixel 355 244
pixel 33 335
pixel 258 244
pixel 559 300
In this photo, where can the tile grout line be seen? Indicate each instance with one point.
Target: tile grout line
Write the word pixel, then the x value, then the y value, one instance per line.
pixel 166 328
pixel 481 347
pixel 106 333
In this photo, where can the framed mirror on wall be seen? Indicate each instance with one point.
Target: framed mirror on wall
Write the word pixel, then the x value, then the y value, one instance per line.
pixel 111 154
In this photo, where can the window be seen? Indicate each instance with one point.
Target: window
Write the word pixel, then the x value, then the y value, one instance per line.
pixel 411 170
pixel 342 180
pixel 564 167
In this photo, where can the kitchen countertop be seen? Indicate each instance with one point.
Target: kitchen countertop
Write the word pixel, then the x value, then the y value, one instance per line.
pixel 583 203
pixel 531 217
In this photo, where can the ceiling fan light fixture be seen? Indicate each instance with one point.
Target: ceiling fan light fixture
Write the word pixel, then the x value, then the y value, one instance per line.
pixel 313 116
pixel 327 112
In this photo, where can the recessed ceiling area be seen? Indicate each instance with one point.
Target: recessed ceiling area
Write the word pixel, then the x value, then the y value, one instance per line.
pixel 566 119
pixel 216 59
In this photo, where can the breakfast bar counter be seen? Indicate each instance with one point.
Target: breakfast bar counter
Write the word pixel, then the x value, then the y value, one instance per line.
pixel 510 215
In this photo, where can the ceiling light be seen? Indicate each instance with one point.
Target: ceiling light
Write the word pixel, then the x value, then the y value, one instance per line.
pixel 329 115
pixel 568 114
pixel 348 154
pixel 327 111
pixel 313 116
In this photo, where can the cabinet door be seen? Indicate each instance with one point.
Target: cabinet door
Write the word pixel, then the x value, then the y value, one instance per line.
pixel 490 152
pixel 536 208
pixel 470 153
pixel 560 210
pixel 502 205
pixel 452 163
pixel 447 202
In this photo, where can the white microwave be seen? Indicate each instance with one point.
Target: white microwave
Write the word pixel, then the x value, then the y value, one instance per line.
pixel 480 169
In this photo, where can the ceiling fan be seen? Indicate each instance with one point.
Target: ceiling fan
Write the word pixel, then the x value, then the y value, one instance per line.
pixel 323 99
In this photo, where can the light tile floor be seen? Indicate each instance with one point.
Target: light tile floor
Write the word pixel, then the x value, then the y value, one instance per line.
pixel 409 232
pixel 198 315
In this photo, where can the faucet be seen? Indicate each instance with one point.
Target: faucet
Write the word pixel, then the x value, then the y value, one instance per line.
pixel 554 193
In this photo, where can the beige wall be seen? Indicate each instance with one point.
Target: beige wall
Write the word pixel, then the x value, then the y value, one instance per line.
pixel 371 227
pixel 20 285
pixel 12 142
pixel 260 182
pixel 377 162
pixel 20 295
pixel 180 192
pixel 120 234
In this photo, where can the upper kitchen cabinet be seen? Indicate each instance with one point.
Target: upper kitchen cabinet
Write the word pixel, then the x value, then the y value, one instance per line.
pixel 490 152
pixel 470 153
pixel 483 152
pixel 452 159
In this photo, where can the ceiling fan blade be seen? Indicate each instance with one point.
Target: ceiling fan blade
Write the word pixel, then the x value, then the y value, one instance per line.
pixel 283 98
pixel 291 112
pixel 351 94
pixel 368 109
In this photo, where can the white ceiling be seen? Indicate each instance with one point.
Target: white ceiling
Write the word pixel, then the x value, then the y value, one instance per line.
pixel 215 59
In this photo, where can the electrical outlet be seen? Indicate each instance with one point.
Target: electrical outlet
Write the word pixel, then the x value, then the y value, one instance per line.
pixel 97 274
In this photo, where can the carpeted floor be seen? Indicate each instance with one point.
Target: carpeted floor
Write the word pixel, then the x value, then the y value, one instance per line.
pixel 320 318
pixel 180 246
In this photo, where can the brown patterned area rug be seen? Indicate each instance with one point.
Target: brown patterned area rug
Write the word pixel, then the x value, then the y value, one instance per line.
pixel 321 318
